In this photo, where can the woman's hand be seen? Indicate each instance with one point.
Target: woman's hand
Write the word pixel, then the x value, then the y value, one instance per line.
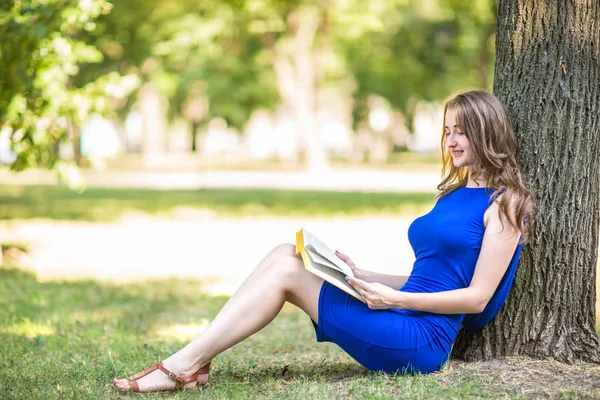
pixel 358 273
pixel 395 282
pixel 378 296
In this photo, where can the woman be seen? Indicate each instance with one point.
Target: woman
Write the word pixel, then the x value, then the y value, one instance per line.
pixel 466 248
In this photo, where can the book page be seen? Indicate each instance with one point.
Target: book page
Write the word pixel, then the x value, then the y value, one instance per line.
pixel 321 248
pixel 331 275
pixel 316 257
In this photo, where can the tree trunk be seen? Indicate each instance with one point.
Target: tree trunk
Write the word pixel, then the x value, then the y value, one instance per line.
pixel 75 133
pixel 297 83
pixel 547 73
pixel 195 126
pixel 151 108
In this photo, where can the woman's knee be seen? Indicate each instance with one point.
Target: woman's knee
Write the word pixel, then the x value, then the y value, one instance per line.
pixel 283 250
pixel 287 266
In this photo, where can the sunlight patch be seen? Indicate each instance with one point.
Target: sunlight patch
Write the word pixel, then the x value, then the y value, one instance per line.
pixel 29 329
pixel 183 331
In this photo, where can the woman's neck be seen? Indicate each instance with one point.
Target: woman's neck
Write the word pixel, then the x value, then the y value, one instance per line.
pixel 472 182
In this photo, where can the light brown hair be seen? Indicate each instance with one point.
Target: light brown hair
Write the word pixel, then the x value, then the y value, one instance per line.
pixel 484 121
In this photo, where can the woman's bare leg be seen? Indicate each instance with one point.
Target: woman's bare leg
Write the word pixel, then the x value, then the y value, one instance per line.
pixel 280 277
pixel 282 250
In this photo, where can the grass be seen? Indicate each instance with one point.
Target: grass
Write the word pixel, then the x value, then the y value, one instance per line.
pixel 99 204
pixel 68 339
pixel 404 160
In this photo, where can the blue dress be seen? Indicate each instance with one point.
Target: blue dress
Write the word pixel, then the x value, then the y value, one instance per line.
pixel 446 242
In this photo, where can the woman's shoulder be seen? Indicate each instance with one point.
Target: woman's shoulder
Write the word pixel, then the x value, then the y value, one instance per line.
pixel 502 205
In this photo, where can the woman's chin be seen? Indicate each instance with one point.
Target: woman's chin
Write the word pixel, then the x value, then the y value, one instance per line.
pixel 460 163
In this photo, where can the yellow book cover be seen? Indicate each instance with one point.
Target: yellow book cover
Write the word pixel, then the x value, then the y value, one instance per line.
pixel 323 262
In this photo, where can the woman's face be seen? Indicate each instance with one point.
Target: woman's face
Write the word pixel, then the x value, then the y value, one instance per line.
pixel 456 141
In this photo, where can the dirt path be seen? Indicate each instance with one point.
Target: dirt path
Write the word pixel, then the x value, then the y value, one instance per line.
pixel 223 251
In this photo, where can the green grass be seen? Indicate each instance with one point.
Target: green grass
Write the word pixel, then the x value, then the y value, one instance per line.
pixel 55 202
pixel 404 160
pixel 69 339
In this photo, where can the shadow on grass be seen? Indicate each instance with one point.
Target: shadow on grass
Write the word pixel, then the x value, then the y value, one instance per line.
pixel 68 339
pixel 96 204
pixel 65 339
pixel 308 371
pixel 57 336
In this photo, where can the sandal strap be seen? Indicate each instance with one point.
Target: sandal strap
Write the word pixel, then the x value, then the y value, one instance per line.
pixel 204 370
pixel 145 372
pixel 181 380
pixel 203 374
pixel 133 379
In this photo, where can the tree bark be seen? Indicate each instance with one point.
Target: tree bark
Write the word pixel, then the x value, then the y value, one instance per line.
pixel 548 75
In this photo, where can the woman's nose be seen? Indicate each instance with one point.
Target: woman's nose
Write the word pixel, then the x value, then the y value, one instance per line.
pixel 450 142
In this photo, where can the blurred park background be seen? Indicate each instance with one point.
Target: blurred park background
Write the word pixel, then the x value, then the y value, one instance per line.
pixel 181 140
pixel 197 126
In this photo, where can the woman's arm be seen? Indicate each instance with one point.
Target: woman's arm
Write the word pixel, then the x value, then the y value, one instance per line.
pixel 392 281
pixel 497 249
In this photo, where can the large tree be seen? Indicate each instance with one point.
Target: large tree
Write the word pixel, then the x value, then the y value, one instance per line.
pixel 548 75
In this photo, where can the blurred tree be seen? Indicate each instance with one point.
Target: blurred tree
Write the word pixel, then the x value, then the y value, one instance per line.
pixel 547 73
pixel 192 44
pixel 423 51
pixel 39 56
pixel 306 42
pixel 475 28
pixel 195 109
pixel 127 37
pixel 254 54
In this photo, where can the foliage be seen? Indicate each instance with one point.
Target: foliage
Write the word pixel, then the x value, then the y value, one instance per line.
pixel 424 51
pixel 39 55
pixel 187 48
pixel 64 59
pixel 399 49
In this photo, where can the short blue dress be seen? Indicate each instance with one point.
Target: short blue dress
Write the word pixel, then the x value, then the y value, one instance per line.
pixel 446 242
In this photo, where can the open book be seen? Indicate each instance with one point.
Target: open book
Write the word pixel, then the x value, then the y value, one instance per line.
pixel 322 261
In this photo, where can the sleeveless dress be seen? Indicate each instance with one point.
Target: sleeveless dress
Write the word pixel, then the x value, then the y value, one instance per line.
pixel 446 242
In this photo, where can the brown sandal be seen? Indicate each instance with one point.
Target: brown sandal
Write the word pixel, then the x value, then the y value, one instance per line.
pixel 182 382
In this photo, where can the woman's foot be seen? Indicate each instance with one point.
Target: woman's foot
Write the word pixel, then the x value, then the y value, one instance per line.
pixel 160 378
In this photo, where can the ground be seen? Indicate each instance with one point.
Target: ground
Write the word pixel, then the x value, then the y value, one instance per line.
pixel 107 283
pixel 67 339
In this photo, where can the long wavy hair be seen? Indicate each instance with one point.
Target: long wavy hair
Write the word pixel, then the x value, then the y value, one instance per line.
pixel 484 121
